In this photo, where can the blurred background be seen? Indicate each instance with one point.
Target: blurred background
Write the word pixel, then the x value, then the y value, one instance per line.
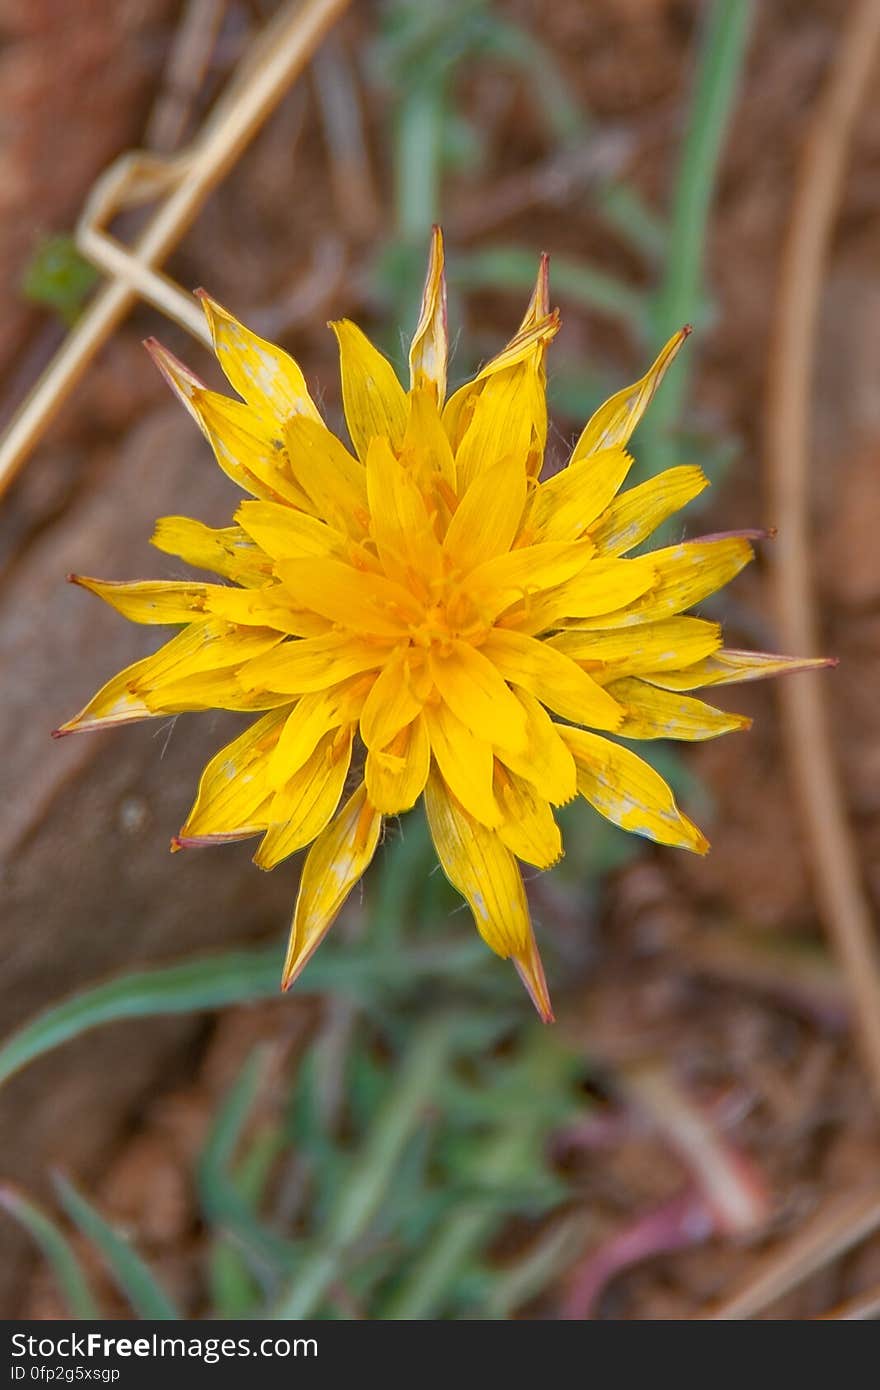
pixel 400 1137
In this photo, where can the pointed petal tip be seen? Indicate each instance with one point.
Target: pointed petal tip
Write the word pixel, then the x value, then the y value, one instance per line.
pixel 530 969
pixel 182 380
pixel 60 733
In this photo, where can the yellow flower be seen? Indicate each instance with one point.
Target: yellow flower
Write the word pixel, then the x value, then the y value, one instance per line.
pixel 425 610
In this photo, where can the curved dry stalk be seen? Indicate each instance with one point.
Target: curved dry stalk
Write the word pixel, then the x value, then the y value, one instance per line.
pixel 831 852
pixel 277 56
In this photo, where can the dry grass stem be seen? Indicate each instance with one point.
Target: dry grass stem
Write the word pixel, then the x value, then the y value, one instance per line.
pixel 279 54
pixel 831 851
pixel 835 1228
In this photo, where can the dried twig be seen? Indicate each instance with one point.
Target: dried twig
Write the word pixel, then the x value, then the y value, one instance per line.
pixel 281 52
pixel 732 1187
pixel 831 853
pixel 863 1308
pixel 834 1229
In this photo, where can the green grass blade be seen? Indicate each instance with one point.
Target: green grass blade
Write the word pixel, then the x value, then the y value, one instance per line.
pixel 224 1204
pixel 360 1195
pixel 680 296
pixel 56 1248
pixel 128 1271
pixel 207 982
pixel 236 977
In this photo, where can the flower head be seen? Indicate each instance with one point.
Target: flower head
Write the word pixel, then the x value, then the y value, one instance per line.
pixel 428 612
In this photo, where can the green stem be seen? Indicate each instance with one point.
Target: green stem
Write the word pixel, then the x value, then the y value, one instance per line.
pixel 508 1154
pixel 466 1231
pixel 418 162
pixel 678 300
pixel 359 1199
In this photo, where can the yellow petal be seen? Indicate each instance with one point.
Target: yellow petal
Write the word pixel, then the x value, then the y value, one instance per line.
pixel 182 380
pixel 264 376
pixel 333 866
pixel 283 533
pixel 327 473
pixel 653 713
pixel 504 409
pixel 314 663
pixel 427 355
pixel 227 551
pixel 243 440
pixel 210 690
pixel 506 415
pixel 563 507
pixel 427 442
pixel 305 804
pixel 233 796
pixel 602 586
pixel 547 762
pixel 539 304
pixel 312 717
pixel 636 514
pixel 392 703
pixel 149 601
pixel 204 645
pixel 655 647
pixel 528 346
pixel 627 791
pixel 686 574
pixel 466 763
pixel 177 678
pixel 401 528
pixel 487 518
pixel 553 678
pixel 528 830
pixel 355 599
pixel 250 451
pixel 614 422
pixel 270 606
pixel 374 400
pixel 117 702
pixel 396 775
pixel 729 667
pixel 477 695
pixel 521 574
pixel 531 972
pixel 482 869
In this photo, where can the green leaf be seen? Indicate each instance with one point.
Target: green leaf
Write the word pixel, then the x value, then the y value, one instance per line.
pixel 68 1272
pixel 128 1271
pixel 59 277
pixel 206 982
pixel 236 977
